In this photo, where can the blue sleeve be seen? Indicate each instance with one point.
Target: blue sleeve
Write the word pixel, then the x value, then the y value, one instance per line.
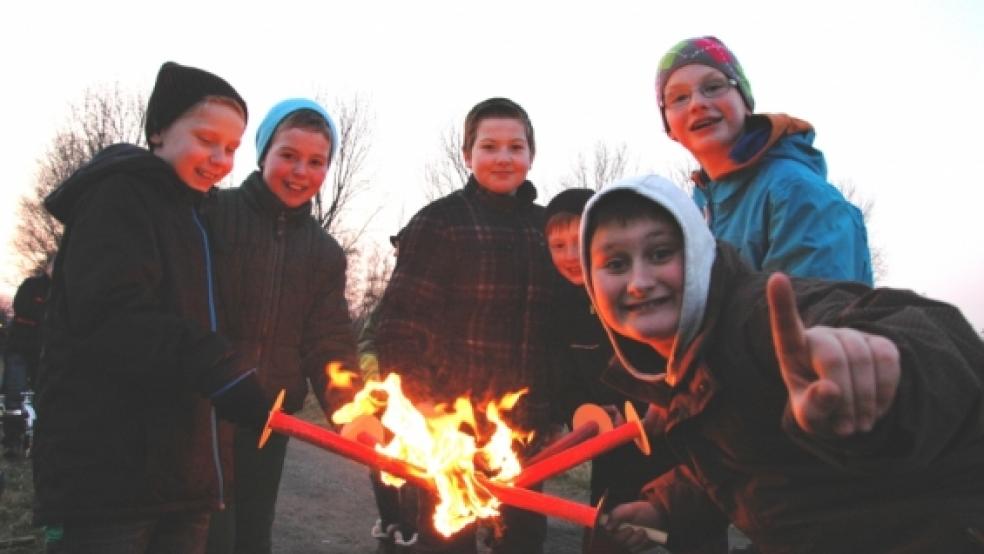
pixel 815 232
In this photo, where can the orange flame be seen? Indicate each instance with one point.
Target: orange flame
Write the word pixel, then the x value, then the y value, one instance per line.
pixel 446 442
pixel 338 377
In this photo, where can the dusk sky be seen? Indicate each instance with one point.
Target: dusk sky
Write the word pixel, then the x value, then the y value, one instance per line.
pixel 892 89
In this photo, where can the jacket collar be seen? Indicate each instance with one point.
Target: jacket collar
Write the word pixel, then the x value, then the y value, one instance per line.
pixel 259 195
pixel 524 197
pixel 762 132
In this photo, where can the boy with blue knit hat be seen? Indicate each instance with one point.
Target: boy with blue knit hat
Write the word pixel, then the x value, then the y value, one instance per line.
pixel 281 278
pixel 133 368
pixel 762 185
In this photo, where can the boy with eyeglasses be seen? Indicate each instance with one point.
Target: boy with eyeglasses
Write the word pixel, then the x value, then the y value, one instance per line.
pixel 762 185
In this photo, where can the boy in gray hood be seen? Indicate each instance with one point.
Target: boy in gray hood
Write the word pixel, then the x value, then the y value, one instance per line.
pixel 816 416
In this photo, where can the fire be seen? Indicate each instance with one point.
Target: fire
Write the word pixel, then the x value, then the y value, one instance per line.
pixel 447 443
pixel 339 377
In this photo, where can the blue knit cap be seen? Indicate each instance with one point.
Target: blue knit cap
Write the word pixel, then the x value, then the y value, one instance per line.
pixel 279 112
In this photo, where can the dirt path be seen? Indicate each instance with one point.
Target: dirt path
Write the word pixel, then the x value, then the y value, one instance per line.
pixel 326 506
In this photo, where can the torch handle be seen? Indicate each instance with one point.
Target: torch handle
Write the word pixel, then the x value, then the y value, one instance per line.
pixel 575 437
pixel 563 461
pixel 544 504
pixel 348 448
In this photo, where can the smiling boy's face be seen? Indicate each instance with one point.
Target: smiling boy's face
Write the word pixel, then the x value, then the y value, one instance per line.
pixel 296 164
pixel 565 250
pixel 202 143
pixel 500 158
pixel 703 125
pixel 637 278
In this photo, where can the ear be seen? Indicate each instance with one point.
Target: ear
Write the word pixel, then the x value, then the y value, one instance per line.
pixel 155 140
pixel 467 156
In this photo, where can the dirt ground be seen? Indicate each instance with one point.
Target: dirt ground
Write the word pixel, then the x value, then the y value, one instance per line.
pixel 325 507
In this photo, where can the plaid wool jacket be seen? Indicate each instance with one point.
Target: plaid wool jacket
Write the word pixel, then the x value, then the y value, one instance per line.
pixel 466 308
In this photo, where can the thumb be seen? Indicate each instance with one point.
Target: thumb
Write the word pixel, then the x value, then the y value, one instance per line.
pixel 788 333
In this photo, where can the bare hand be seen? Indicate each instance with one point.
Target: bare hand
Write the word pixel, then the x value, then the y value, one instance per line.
pixel 614 414
pixel 637 513
pixel 840 381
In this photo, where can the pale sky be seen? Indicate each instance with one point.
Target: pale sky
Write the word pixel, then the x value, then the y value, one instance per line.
pixel 892 88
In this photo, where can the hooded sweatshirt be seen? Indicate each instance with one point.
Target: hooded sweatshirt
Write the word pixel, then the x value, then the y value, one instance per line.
pixel 122 430
pixel 912 484
pixel 775 206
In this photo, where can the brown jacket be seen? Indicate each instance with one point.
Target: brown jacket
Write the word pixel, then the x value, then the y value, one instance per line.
pixel 913 484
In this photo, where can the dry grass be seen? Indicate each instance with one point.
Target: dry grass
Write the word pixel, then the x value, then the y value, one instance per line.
pixel 15 509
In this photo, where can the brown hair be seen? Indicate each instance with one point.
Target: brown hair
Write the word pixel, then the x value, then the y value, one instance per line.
pixel 306 119
pixel 560 220
pixel 624 207
pixel 496 107
pixel 224 101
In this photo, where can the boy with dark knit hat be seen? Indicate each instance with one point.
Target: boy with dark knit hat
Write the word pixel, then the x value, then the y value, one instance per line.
pixel 281 282
pixel 466 311
pixel 762 185
pixel 133 370
pixel 818 416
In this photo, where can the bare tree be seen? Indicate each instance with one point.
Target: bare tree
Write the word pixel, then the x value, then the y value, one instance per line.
pixel 682 175
pixel 608 163
pixel 6 312
pixel 367 290
pixel 346 179
pixel 105 115
pixel 867 206
pixel 447 172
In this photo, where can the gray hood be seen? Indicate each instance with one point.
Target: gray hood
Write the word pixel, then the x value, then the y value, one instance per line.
pixel 699 251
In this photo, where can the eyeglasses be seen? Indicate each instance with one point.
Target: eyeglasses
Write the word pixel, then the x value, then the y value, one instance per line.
pixel 713 88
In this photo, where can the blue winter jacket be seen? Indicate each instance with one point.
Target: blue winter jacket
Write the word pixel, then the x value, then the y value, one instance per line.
pixel 779 211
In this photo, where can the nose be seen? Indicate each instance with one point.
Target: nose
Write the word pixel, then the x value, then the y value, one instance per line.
pixel 299 168
pixel 640 281
pixel 221 158
pixel 697 101
pixel 503 156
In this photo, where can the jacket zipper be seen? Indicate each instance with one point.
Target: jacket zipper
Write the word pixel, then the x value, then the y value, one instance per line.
pixel 276 270
pixel 213 325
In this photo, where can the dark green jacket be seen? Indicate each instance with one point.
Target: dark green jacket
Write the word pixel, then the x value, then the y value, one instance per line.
pixel 281 281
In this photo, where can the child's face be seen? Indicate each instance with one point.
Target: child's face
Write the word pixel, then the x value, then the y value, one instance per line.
pixel 703 125
pixel 201 144
pixel 565 251
pixel 637 279
pixel 500 157
pixel 296 164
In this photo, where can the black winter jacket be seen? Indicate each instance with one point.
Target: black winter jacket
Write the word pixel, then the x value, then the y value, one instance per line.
pixel 281 281
pixel 122 430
